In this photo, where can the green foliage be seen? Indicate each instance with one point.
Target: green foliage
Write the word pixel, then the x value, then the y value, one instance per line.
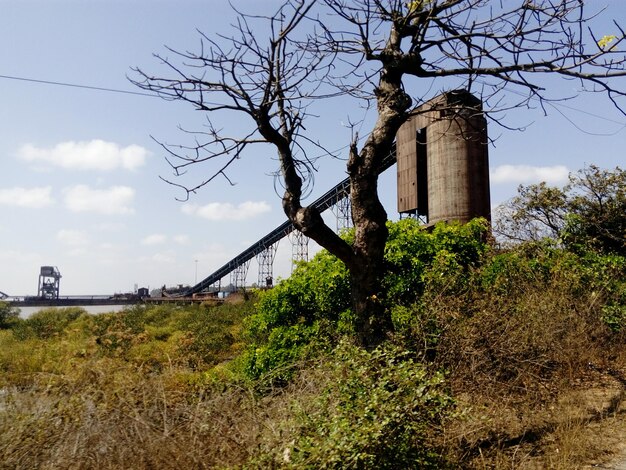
pixel 8 315
pixel 308 311
pixel 210 333
pixel 588 213
pixel 416 257
pixel 47 323
pixel 116 332
pixel 152 338
pixel 604 275
pixel 379 410
pixel 294 314
pixel 316 290
pixel 614 316
pixel 196 335
pixel 597 211
pixel 271 363
pixel 529 312
pixel 507 272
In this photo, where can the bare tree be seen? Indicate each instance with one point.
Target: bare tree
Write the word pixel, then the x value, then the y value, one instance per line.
pixel 377 51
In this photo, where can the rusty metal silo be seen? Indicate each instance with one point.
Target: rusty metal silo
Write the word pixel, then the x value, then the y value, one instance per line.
pixel 444 173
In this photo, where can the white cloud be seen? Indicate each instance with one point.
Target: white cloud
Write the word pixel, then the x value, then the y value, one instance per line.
pixel 33 198
pixel 226 211
pixel 114 227
pixel 166 257
pixel 72 237
pixel 90 155
pixel 181 239
pixel 154 239
pixel 529 174
pixel 114 200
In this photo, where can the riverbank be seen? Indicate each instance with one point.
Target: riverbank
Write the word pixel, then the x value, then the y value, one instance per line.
pixel 26 312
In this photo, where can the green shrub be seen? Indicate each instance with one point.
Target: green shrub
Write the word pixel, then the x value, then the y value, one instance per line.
pixel 8 315
pixel 47 323
pixel 415 256
pixel 116 332
pixel 316 290
pixel 313 305
pixel 379 410
pixel 295 313
pixel 209 333
pixel 196 336
pixel 614 316
pixel 524 315
pixel 272 362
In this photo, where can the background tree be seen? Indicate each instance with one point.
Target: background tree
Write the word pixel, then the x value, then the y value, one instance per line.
pixel 375 51
pixel 8 315
pixel 588 213
pixel 597 210
pixel 538 211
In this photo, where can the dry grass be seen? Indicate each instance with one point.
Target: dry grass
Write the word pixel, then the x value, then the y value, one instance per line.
pixel 537 373
pixel 538 378
pixel 111 417
pixel 569 431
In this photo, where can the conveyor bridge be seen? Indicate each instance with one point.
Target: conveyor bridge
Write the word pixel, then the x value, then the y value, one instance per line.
pixel 327 200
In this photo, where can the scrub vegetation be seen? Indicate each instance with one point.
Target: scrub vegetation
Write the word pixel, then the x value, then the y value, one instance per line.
pixel 501 357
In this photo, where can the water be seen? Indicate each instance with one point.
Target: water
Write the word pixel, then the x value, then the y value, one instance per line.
pixel 26 312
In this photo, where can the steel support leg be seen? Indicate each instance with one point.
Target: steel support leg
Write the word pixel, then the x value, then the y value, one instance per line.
pixel 238 276
pixel 299 247
pixel 343 213
pixel 266 266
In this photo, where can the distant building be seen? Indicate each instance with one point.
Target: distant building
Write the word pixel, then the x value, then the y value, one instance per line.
pixel 49 282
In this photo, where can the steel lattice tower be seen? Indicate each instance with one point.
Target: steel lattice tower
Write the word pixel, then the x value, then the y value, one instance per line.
pixel 299 247
pixel 343 212
pixel 239 274
pixel 266 265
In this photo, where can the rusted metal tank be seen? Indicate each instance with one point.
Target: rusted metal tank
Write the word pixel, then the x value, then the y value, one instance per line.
pixel 443 162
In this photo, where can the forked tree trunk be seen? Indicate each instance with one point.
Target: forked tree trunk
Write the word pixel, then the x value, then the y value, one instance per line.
pixel 372 322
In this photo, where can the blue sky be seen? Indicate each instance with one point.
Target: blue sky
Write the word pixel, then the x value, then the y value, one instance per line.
pixel 80 187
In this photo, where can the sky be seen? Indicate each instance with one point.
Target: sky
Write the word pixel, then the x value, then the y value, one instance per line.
pixel 80 183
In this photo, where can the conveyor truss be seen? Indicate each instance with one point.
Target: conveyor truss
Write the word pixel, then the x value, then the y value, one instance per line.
pixel 327 200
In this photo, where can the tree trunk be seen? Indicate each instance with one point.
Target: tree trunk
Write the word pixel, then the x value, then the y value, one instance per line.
pixel 372 322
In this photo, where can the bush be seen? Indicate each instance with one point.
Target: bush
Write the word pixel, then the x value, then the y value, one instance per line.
pixel 116 332
pixel 415 256
pixel 527 314
pixel 304 309
pixel 211 334
pixel 379 409
pixel 316 290
pixel 273 362
pixel 47 323
pixel 8 315
pixel 309 311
